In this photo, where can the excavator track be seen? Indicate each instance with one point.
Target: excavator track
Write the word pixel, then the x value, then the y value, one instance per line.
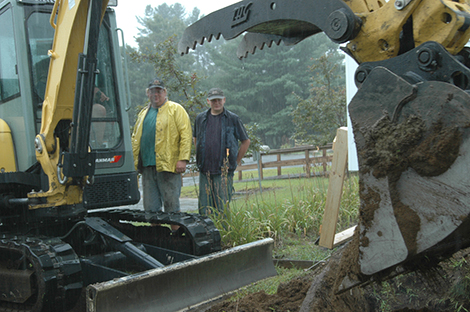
pixel 45 272
pixel 197 234
pixel 40 273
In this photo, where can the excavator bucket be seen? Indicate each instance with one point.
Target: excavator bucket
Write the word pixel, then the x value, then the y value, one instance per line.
pixel 414 162
pixel 184 284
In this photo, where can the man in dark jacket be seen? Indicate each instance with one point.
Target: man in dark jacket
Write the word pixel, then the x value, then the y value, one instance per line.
pixel 216 135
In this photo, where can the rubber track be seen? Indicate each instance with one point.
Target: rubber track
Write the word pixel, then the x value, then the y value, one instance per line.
pixel 56 266
pixel 204 235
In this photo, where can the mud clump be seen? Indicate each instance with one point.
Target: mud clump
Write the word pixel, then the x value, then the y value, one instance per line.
pixel 387 145
pixel 437 152
pixel 370 201
pixel 390 148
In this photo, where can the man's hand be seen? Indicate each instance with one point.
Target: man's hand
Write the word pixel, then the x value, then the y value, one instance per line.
pixel 242 151
pixel 181 166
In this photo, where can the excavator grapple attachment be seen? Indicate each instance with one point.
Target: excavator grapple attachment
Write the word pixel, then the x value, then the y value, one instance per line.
pixel 414 158
pixel 267 22
pixel 184 284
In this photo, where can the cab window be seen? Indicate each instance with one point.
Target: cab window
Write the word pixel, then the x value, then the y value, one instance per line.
pixel 105 131
pixel 9 82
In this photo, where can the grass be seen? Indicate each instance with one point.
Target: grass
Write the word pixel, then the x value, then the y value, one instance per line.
pixel 290 211
pixel 282 208
pixel 250 179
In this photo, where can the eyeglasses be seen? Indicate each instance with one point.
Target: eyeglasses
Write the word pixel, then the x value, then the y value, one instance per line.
pixel 156 90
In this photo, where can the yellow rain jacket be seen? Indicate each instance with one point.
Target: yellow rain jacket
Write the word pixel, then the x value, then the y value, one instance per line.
pixel 172 138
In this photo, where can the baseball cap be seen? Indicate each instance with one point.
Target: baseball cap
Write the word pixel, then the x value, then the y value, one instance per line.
pixel 156 83
pixel 215 93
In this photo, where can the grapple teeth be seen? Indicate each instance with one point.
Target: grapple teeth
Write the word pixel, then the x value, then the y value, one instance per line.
pixel 183 48
pixel 287 22
pixel 253 41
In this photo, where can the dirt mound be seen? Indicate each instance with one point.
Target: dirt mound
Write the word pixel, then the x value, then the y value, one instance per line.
pixel 289 297
pixel 443 288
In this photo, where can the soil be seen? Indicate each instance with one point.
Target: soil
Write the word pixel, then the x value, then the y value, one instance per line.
pixel 443 288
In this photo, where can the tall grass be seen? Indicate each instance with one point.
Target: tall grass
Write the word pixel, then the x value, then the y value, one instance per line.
pixel 284 208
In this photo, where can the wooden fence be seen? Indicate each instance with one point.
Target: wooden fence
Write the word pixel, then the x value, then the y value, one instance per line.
pixel 314 156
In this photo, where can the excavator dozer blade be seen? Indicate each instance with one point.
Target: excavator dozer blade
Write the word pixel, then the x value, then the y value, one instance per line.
pixel 413 149
pixel 184 284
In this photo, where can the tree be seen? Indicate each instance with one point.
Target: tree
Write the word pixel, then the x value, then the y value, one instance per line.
pixel 317 117
pixel 263 87
pixel 157 40
pixel 178 82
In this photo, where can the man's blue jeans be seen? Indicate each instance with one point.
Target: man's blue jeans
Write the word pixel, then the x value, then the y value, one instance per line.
pixel 215 192
pixel 161 190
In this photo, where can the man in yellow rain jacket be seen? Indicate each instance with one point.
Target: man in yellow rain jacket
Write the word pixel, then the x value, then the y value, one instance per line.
pixel 161 143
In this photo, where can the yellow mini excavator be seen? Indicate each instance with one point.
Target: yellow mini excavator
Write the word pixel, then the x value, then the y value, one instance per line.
pixel 410 115
pixel 65 156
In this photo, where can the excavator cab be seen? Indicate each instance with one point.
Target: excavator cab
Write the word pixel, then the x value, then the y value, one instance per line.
pixel 25 61
pixel 106 132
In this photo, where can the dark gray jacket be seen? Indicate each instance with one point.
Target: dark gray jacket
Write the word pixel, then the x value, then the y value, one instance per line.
pixel 233 131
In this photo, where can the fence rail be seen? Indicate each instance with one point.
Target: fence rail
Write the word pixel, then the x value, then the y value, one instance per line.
pixel 314 156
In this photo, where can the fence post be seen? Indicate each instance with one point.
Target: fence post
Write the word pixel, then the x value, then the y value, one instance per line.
pixel 324 161
pixel 260 166
pixel 307 162
pixel 335 188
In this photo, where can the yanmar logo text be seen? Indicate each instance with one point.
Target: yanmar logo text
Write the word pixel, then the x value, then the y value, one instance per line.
pixel 110 160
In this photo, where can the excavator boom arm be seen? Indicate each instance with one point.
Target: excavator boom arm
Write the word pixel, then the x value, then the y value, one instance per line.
pixel 374 31
pixel 62 144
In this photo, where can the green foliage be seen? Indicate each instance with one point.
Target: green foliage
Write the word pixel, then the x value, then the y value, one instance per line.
pixel 293 247
pixel 159 23
pixel 255 140
pixel 157 55
pixel 382 296
pixel 317 118
pixel 290 211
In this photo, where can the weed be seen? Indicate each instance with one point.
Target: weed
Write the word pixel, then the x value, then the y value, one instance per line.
pixel 460 292
pixel 294 207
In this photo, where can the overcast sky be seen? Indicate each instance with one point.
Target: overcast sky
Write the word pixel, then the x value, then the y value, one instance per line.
pixel 127 10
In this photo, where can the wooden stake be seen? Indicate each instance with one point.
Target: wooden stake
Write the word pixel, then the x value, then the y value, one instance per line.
pixel 335 188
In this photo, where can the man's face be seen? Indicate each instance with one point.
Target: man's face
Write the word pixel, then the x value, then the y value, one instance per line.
pixel 217 105
pixel 157 97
